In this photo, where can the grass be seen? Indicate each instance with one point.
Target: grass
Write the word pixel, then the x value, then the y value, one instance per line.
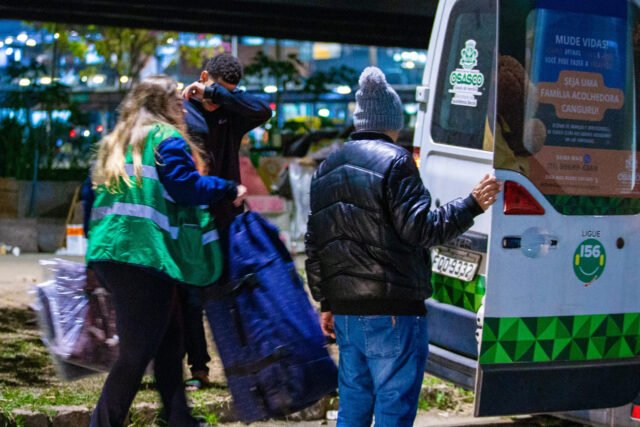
pixel 28 379
pixel 27 376
pixel 23 358
pixel 444 396
pixel 202 410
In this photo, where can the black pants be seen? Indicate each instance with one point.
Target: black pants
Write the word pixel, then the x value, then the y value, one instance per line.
pixel 148 325
pixel 194 337
pixel 210 291
pixel 193 301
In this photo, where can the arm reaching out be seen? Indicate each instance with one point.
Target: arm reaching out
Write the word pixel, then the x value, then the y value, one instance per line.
pixel 179 176
pixel 253 110
pixel 410 207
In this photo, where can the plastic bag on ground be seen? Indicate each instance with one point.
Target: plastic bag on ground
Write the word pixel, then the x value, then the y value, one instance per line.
pixel 77 320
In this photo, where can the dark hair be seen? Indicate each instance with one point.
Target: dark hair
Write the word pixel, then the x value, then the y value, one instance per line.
pixel 225 66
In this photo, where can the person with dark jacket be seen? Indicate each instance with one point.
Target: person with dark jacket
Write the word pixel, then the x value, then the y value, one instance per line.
pixel 218 115
pixel 369 231
pixel 228 113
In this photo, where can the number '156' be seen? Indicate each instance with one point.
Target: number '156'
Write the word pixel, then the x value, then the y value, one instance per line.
pixel 590 251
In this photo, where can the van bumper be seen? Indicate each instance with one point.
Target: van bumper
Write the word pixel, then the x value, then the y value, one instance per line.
pixel 452 367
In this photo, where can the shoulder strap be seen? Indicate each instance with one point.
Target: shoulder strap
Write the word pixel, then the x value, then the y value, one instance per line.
pixel 233 287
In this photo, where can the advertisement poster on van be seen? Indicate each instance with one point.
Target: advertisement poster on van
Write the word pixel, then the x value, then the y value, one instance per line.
pixel 581 76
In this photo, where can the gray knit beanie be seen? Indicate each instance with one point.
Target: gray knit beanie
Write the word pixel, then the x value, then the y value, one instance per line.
pixel 378 106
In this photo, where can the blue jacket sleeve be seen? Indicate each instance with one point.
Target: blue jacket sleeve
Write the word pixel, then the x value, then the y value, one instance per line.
pixel 177 172
pixel 252 110
pixel 87 196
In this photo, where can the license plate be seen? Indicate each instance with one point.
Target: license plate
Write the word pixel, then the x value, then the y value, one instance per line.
pixel 456 263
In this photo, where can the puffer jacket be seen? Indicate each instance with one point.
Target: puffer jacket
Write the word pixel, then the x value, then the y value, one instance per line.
pixel 370 227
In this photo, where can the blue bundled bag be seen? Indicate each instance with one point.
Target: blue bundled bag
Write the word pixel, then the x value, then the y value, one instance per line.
pixel 267 333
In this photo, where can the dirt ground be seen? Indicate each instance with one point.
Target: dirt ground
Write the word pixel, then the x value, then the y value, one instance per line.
pixel 20 275
pixel 27 376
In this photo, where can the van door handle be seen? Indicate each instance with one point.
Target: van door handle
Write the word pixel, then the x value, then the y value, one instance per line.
pixel 533 243
pixel 515 242
pixel 422 94
pixel 511 242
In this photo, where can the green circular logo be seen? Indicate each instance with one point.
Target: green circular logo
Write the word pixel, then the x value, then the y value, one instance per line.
pixel 589 260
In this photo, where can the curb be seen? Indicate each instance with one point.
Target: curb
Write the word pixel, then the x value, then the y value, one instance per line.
pixel 143 414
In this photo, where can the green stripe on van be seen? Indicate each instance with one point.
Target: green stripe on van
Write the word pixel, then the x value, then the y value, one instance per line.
pixel 467 295
pixel 594 205
pixel 560 339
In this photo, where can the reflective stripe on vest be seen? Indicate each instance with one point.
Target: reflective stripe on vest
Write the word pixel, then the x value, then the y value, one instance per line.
pixel 147 212
pixel 145 171
pixel 210 236
pixel 142 225
pixel 138 211
pixel 149 172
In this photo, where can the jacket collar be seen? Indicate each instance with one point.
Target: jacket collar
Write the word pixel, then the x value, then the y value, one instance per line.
pixel 195 118
pixel 370 135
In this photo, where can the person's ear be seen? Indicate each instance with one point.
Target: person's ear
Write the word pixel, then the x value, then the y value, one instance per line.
pixel 204 76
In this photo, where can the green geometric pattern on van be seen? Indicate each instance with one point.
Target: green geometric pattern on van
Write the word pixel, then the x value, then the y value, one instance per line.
pixel 467 295
pixel 591 205
pixel 564 338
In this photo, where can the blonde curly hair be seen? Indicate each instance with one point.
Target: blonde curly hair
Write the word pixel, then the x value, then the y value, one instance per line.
pixel 153 100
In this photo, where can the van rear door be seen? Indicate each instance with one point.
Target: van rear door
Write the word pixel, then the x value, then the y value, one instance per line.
pixel 454 131
pixel 561 323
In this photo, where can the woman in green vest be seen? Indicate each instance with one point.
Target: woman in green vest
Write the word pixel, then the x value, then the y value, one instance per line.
pixel 150 232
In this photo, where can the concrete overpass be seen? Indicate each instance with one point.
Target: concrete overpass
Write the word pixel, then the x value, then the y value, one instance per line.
pixel 401 23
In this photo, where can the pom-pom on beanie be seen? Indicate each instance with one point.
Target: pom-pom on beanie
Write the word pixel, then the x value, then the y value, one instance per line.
pixel 378 106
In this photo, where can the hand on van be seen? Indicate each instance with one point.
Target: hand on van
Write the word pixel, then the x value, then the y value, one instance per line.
pixel 241 196
pixel 485 192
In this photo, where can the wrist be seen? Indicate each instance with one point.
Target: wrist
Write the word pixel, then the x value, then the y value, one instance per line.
pixel 232 191
pixel 472 204
pixel 209 92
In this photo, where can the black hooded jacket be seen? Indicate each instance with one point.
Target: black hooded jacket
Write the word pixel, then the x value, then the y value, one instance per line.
pixel 220 134
pixel 370 228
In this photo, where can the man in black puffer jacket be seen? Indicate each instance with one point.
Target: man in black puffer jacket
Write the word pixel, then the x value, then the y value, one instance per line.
pixel 368 234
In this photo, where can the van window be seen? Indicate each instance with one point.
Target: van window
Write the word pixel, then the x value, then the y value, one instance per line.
pixel 567 101
pixel 465 76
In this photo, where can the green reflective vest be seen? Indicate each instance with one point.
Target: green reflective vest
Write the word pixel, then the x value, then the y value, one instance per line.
pixel 142 225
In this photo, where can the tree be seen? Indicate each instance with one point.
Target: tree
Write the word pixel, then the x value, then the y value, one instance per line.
pixel 321 82
pixel 63 43
pixel 126 50
pixel 196 56
pixel 283 73
pixel 30 95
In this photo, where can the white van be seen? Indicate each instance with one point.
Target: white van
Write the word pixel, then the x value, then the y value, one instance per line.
pixel 538 306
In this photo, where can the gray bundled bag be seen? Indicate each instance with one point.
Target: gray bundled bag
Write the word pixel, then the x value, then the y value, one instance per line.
pixel 300 179
pixel 77 320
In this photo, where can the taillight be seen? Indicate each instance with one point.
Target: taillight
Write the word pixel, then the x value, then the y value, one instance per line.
pixel 635 412
pixel 518 201
pixel 416 156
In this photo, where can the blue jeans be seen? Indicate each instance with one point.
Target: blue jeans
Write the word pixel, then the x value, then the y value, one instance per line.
pixel 382 360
